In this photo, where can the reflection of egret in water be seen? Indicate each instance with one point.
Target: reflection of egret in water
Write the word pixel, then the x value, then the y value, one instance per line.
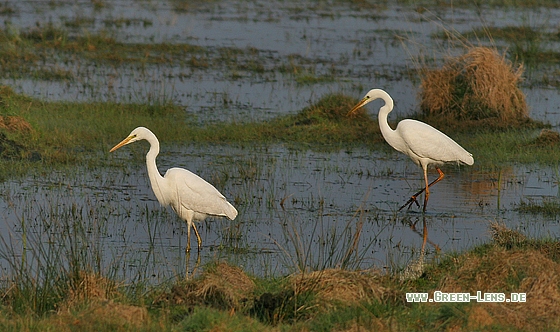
pixel 424 233
pixel 415 269
pixel 492 186
pixel 187 264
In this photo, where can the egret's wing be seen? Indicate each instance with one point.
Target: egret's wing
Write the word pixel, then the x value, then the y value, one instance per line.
pixel 194 193
pixel 427 142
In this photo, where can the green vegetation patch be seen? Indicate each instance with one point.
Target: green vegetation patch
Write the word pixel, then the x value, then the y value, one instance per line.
pixel 50 52
pixel 322 125
pixel 547 207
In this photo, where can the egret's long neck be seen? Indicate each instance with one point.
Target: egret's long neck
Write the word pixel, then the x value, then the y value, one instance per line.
pixel 384 111
pixel 391 136
pixel 383 122
pixel 156 180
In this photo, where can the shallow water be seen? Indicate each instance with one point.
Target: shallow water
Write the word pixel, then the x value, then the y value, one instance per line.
pixel 110 215
pixel 368 47
pixel 328 196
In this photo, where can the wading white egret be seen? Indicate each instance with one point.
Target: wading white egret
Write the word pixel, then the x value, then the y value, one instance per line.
pixel 191 197
pixel 424 144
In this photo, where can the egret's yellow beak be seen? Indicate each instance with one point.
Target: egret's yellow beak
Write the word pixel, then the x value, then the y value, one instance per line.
pixel 358 105
pixel 122 143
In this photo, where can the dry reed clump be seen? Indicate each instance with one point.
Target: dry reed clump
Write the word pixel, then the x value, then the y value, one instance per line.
pixel 505 271
pixel 222 286
pixel 479 85
pixel 336 286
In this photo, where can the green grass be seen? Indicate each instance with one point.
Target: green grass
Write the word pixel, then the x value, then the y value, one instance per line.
pixel 208 319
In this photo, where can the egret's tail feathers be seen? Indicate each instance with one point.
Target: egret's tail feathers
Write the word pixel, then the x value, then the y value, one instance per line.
pixel 469 160
pixel 230 211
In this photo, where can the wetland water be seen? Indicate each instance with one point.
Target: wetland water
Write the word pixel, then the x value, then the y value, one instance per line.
pixel 121 224
pixel 290 202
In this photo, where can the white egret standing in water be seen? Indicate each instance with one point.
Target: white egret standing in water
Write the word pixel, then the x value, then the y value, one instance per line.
pixel 424 144
pixel 191 197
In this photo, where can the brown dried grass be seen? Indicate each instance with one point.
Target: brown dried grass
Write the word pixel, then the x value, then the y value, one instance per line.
pixel 335 286
pixel 479 85
pixel 225 284
pixel 104 314
pixel 91 295
pixel 88 286
pixel 222 286
pixel 529 271
pixel 14 124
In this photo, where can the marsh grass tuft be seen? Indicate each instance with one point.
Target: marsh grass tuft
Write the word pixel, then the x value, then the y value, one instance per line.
pixel 547 137
pixel 325 122
pixel 506 237
pixel 221 286
pixel 333 287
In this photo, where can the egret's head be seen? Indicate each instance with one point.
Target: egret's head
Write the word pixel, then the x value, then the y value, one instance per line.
pixel 137 134
pixel 372 95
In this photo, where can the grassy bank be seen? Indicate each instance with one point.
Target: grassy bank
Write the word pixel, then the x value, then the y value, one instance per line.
pixel 66 132
pixel 225 298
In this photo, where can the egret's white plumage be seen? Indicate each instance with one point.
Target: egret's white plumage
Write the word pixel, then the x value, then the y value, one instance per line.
pixel 424 144
pixel 190 196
